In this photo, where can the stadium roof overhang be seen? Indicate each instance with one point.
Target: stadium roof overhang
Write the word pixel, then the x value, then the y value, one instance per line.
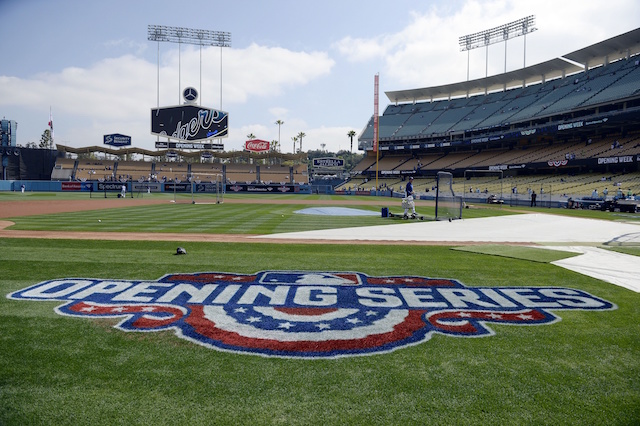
pixel 190 154
pixel 606 51
pixel 618 47
pixel 541 72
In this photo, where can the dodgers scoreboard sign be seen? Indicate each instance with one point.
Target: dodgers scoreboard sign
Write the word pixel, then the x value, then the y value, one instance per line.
pixel 189 123
pixel 295 314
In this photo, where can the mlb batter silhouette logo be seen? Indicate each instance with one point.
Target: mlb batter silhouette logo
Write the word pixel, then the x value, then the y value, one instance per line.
pixel 299 314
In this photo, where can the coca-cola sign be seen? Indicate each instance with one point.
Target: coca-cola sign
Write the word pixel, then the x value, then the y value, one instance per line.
pixel 256 145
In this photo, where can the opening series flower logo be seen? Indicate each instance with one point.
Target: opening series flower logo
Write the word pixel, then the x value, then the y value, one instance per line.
pixel 301 314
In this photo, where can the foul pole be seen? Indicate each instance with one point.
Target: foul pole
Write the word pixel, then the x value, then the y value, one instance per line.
pixel 376 81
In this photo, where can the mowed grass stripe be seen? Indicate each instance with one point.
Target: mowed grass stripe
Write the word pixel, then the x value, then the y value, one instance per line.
pixel 216 218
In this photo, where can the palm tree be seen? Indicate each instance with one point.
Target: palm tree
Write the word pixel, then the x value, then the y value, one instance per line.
pixel 274 148
pixel 351 134
pixel 251 136
pixel 294 139
pixel 300 136
pixel 279 123
pixel 46 140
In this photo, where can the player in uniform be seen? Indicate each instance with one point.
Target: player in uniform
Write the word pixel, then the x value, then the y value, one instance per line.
pixel 407 202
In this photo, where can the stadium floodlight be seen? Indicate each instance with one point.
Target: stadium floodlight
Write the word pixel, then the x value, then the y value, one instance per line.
pixel 162 33
pixel 499 34
pixel 189 36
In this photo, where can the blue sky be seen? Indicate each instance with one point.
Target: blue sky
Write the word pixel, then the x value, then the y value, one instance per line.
pixel 309 64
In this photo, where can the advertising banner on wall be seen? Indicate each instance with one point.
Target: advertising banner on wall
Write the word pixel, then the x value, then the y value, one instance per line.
pixel 190 145
pixel 262 188
pixel 71 186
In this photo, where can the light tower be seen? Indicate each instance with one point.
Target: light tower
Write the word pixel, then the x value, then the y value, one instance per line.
pixel 190 36
pixel 502 33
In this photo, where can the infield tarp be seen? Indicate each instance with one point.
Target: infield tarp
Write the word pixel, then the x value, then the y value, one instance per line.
pixel 336 211
pixel 522 228
pixel 609 266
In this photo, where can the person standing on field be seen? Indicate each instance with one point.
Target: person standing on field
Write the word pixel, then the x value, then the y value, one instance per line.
pixel 408 203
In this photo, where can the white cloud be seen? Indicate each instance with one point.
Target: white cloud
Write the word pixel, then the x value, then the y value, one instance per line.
pixel 116 94
pixel 255 71
pixel 427 53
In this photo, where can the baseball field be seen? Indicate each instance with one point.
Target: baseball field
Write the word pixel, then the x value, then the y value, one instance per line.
pixel 104 323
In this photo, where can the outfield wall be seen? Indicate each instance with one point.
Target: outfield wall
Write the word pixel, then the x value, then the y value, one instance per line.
pixel 154 187
pixel 550 201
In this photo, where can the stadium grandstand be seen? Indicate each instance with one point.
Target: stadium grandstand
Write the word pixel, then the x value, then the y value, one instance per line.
pixel 570 124
pixel 231 167
pixel 566 128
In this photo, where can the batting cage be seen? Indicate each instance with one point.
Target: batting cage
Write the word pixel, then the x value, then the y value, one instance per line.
pixel 207 188
pixel 448 204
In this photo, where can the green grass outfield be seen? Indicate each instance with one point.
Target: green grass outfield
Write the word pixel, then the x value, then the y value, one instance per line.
pixel 56 370
pixel 205 217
